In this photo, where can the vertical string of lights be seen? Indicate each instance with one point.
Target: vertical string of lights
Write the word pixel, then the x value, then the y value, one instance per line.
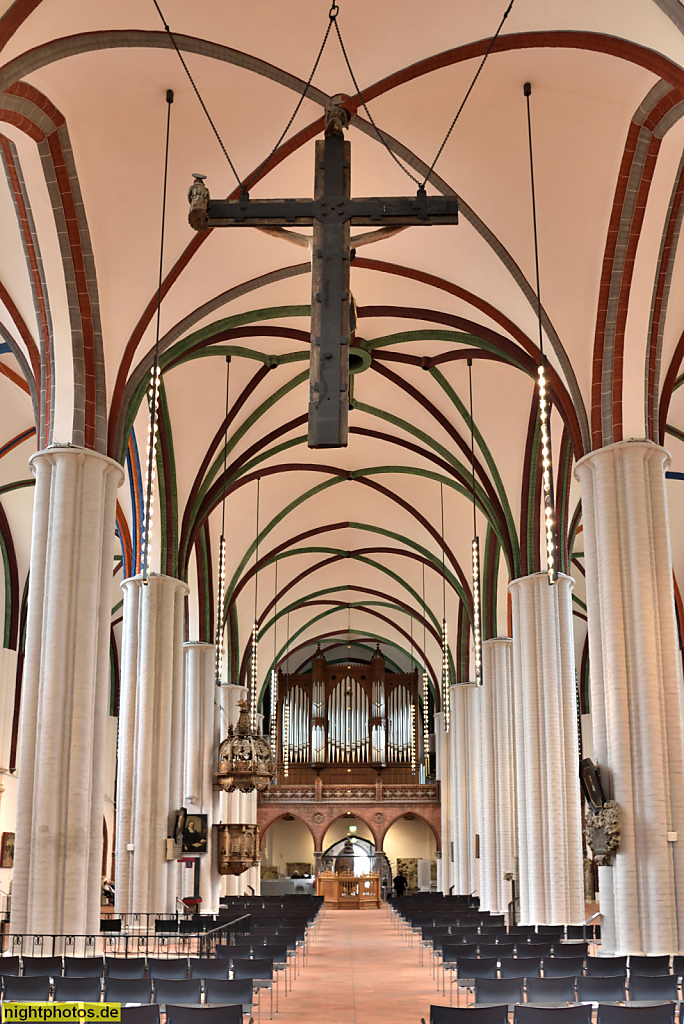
pixel 446 701
pixel 254 678
pixel 274 674
pixel 155 378
pixel 221 597
pixel 477 593
pixel 426 687
pixel 544 410
pixel 413 707
pixel 286 706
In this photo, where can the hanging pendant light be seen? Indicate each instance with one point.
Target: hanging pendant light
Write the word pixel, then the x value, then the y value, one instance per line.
pixel 274 674
pixel 221 596
pixel 477 592
pixel 426 690
pixel 544 409
pixel 155 382
pixel 286 706
pixel 253 672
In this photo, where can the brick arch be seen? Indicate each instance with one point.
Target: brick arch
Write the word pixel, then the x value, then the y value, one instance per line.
pixel 363 814
pixel 433 825
pixel 267 816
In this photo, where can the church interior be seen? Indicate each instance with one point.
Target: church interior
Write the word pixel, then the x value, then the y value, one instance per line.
pixel 373 633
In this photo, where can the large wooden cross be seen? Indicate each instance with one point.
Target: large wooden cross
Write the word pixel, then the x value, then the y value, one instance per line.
pixel 331 212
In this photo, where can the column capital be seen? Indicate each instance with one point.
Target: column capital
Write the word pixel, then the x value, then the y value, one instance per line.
pixel 195 644
pixel 538 576
pixel 155 578
pixel 647 449
pixel 57 452
pixel 494 641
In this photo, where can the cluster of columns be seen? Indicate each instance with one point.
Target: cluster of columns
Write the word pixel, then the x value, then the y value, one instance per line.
pixel 509 766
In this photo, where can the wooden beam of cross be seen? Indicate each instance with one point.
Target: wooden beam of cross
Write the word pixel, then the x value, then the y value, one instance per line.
pixel 331 213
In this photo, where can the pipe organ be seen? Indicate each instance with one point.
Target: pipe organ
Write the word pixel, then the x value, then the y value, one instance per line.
pixel 345 715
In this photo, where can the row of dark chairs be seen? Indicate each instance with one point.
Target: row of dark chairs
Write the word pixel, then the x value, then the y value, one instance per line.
pixel 559 966
pixel 149 1013
pixel 572 990
pixel 140 990
pixel 523 1013
pixel 173 968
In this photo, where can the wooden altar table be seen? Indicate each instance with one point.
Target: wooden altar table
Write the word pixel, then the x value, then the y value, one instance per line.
pixel 349 892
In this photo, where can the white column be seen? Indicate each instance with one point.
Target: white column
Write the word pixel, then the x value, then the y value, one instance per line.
pixel 8 686
pixel 200 756
pixel 498 813
pixel 443 774
pixel 464 743
pixel 237 807
pixel 65 697
pixel 149 779
pixel 547 752
pixel 636 692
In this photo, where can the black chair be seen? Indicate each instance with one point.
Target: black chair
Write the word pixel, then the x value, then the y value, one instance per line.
pixel 526 1014
pixel 170 990
pixel 551 990
pixel 677 965
pixel 260 971
pixel 174 969
pixel 523 967
pixel 556 931
pixel 229 1014
pixel 653 986
pixel 226 993
pixel 466 1014
pixel 148 1013
pixel 206 967
pixel 128 990
pixel 606 966
pixel 649 966
pixel 529 949
pixel 76 990
pixel 10 966
pixel 570 949
pixel 498 990
pixel 563 967
pixel 83 967
pixel 596 990
pixel 663 1014
pixel 125 967
pixel 27 990
pixel 497 948
pixel 477 967
pixel 39 966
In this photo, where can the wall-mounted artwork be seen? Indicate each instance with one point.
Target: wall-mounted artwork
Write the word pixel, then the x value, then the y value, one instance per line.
pixel 7 850
pixel 195 834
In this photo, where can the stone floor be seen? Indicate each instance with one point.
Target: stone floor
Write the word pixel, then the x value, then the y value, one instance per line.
pixel 360 970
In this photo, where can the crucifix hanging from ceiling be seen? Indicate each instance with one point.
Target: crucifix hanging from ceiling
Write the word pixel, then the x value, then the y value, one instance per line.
pixel 331 212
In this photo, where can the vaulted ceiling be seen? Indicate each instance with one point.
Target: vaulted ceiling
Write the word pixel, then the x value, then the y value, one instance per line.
pixel 349 539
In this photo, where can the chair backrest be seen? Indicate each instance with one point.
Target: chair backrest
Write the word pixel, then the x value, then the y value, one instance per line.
pixel 498 990
pixel 563 967
pixel 170 990
pixel 10 965
pixel 173 969
pixel 147 1013
pixel 226 993
pixel 663 1014
pixel 678 965
pixel 595 990
pixel 497 949
pixel 125 967
pixel 526 1014
pixel 606 966
pixel 512 967
pixel 68 990
pixel 651 986
pixel 32 989
pixel 230 1014
pixel 39 966
pixel 128 990
pixel 477 967
pixel 570 949
pixel 469 1014
pixel 556 930
pixel 83 967
pixel 653 966
pixel 206 967
pixel 551 990
pixel 540 949
pixel 261 969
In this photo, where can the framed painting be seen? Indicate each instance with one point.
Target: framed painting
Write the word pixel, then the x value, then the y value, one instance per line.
pixel 195 834
pixel 7 850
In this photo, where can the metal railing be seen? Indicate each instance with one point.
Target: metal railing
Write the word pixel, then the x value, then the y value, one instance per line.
pixel 133 941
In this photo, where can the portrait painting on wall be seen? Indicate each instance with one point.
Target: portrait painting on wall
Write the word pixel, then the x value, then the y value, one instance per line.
pixel 195 834
pixel 7 850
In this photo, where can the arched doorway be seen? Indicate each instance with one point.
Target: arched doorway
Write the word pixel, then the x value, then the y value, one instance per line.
pixel 410 846
pixel 287 851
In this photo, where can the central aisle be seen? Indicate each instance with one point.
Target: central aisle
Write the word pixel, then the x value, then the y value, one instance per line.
pixel 359 971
